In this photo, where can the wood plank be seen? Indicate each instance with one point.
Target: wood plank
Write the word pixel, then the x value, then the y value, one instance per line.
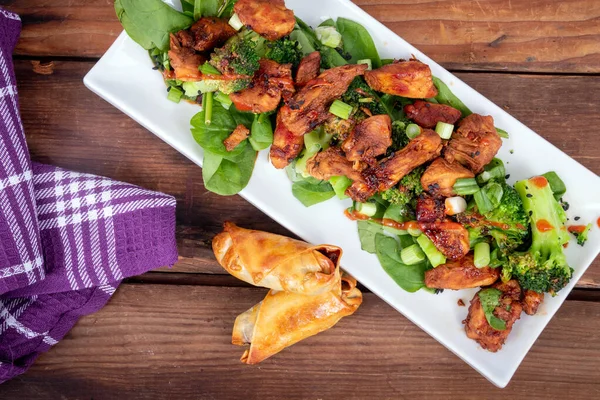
pixel 138 347
pixel 551 35
pixel 81 139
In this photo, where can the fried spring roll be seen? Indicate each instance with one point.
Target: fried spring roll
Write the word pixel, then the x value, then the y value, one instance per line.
pixel 277 262
pixel 285 318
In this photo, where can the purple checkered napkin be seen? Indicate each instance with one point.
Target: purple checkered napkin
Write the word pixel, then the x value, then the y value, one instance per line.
pixel 66 239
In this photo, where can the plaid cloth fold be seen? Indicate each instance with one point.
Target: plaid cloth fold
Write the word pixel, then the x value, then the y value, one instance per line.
pixel 67 239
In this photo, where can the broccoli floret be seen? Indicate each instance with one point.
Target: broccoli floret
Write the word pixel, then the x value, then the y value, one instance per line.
pixel 240 55
pixel 581 236
pixel 543 267
pixel 359 95
pixel 407 191
pixel 284 51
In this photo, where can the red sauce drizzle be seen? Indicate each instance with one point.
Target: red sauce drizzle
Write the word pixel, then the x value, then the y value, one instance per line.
pixel 598 222
pixel 353 215
pixel 398 225
pixel 539 181
pixel 543 225
pixel 576 228
pixel 566 245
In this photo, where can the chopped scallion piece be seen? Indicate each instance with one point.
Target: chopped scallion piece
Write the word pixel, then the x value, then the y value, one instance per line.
pixel 365 100
pixel 494 193
pixel 412 131
pixel 340 109
pixel 493 171
pixel 207 106
pixel 484 205
pixel 455 205
pixel 464 186
pixel 368 209
pixel 329 36
pixel 556 184
pixel 481 258
pixel 340 184
pixel 414 232
pixel 174 94
pixel 502 133
pixel 434 256
pixel 412 254
pixel 366 61
pixel 235 22
pixel 224 100
pixel 208 69
pixel 444 130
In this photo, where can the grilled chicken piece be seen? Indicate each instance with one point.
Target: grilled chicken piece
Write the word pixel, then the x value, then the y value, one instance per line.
pixel 418 151
pixel 509 310
pixel 439 178
pixel 475 143
pixel 451 238
pixel 269 18
pixel 239 134
pixel 210 32
pixel 184 59
pixel 369 139
pixel 462 274
pixel 405 78
pixel 309 107
pixel 308 69
pixel 532 301
pixel 265 92
pixel 331 162
pixel 286 146
pixel 430 209
pixel 427 114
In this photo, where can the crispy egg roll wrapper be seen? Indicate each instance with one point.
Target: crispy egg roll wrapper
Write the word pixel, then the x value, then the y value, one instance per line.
pixel 277 262
pixel 285 318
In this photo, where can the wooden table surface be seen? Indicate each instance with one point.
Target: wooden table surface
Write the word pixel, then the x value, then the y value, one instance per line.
pixel 166 334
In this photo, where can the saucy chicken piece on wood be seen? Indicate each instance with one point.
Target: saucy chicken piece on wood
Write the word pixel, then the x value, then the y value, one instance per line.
pixel 509 310
pixel 411 79
pixel 184 59
pixel 210 32
pixel 269 18
pixel 239 134
pixel 389 171
pixel 440 176
pixel 430 208
pixel 286 146
pixel 309 106
pixel 308 69
pixel 450 238
pixel 461 274
pixel 270 82
pixel 474 143
pixel 331 162
pixel 532 301
pixel 427 114
pixel 370 138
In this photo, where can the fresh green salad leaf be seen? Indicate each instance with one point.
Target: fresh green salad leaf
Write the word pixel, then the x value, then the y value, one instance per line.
pixel 261 133
pixel 490 299
pixel 340 184
pixel 307 38
pixel 149 22
pixel 367 230
pixel 228 176
pixel 311 191
pixel 409 277
pixel 445 96
pixel 357 41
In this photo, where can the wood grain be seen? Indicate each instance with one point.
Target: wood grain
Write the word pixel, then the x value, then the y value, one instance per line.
pixel 166 341
pixel 66 125
pixel 541 35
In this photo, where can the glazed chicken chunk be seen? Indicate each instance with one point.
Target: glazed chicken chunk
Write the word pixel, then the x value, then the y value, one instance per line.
pixel 509 311
pixel 532 301
pixel 474 143
pixel 210 32
pixel 440 176
pixel 286 146
pixel 269 83
pixel 308 108
pixel 450 238
pixel 308 69
pixel 269 18
pixel 462 274
pixel 331 162
pixel 430 208
pixel 411 79
pixel 184 59
pixel 239 134
pixel 427 114
pixel 369 139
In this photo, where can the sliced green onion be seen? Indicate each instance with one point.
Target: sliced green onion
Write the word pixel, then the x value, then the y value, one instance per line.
pixel 207 106
pixel 340 184
pixel 494 193
pixel 412 254
pixel 484 205
pixel 444 130
pixel 493 171
pixel 340 109
pixel 413 130
pixel 224 100
pixel 174 94
pixel 329 36
pixel 455 205
pixel 365 100
pixel 464 186
pixel 235 22
pixel 556 184
pixel 368 209
pixel 366 61
pixel 208 69
pixel 434 256
pixel 502 133
pixel 481 259
pixel 415 232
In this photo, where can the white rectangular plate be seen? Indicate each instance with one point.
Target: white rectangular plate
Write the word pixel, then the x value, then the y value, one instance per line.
pixel 124 77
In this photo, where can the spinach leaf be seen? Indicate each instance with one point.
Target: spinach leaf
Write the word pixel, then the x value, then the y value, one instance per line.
pixel 226 177
pixel 366 233
pixel 358 42
pixel 330 58
pixel 210 137
pixel 445 96
pixel 204 8
pixel 490 299
pixel 306 44
pixel 311 191
pixel 307 38
pixel 409 277
pixel 261 133
pixel 149 22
